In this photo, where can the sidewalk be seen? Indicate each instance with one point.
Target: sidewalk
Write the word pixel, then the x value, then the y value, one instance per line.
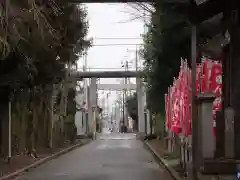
pixel 169 160
pixel 21 163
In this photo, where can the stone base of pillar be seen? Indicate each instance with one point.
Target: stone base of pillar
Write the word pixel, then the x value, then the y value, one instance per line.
pixel 90 135
pixel 205 177
pixel 140 135
pixel 216 177
pixel 189 167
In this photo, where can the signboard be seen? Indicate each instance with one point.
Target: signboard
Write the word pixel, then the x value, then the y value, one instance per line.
pixel 229 119
pixel 94 108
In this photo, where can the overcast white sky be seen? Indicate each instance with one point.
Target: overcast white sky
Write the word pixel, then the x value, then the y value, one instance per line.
pixel 106 21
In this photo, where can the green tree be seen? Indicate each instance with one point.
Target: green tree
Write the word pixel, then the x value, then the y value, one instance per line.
pixel 39 43
pixel 132 107
pixel 165 43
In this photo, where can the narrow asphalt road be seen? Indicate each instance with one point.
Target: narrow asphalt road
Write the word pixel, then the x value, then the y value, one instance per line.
pixel 111 157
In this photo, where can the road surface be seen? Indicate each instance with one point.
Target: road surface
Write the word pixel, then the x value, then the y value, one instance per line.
pixel 111 157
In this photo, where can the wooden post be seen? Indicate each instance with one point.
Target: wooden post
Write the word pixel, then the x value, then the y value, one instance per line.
pixel 9 130
pixel 151 122
pixel 229 133
pixel 220 127
pixel 224 131
pixel 235 84
pixel 194 108
pixel 51 123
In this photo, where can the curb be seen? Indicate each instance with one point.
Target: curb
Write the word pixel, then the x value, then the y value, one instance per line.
pixel 163 162
pixel 42 161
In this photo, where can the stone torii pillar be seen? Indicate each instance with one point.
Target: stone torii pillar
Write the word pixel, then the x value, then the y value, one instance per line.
pixel 141 97
pixel 92 103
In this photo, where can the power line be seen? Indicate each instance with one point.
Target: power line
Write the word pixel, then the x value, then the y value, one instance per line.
pixel 115 44
pixel 104 68
pixel 118 38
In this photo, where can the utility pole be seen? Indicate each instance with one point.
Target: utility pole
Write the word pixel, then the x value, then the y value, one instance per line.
pixel 9 130
pixel 136 60
pixel 108 106
pixel 125 96
pixel 123 107
pixel 85 92
pixel 136 64
pixel 125 79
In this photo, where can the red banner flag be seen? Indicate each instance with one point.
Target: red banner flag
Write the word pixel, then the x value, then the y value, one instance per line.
pixel 176 126
pixel 189 107
pixel 198 78
pixel 216 88
pixel 216 79
pixel 178 100
pixel 206 74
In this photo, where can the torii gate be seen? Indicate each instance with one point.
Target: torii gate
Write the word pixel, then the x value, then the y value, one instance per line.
pixel 116 87
pixel 141 94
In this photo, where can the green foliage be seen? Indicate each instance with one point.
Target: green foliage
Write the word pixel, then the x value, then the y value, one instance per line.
pixel 165 43
pixel 39 43
pixel 52 36
pixel 159 124
pixel 132 106
pixel 71 106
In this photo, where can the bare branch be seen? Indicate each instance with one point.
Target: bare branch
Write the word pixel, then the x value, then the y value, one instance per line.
pixel 140 7
pixel 131 19
pixel 139 11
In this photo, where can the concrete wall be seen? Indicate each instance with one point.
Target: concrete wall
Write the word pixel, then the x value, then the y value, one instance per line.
pixel 80 121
